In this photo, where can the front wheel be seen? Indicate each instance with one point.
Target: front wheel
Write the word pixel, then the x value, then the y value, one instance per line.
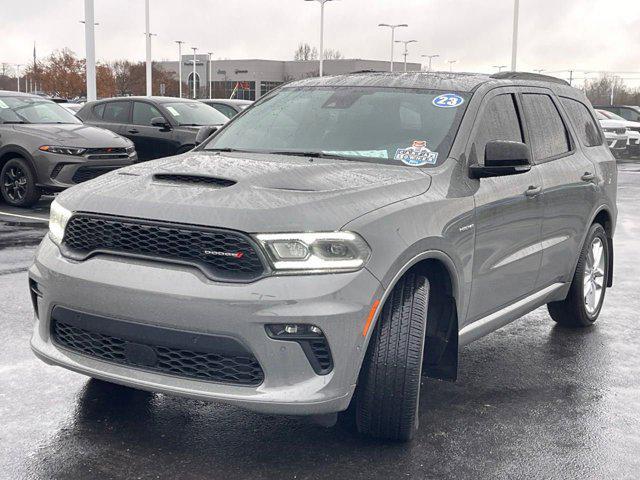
pixel 18 185
pixel 389 387
pixel 586 295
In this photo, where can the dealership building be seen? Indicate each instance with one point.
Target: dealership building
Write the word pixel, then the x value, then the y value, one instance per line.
pixel 253 78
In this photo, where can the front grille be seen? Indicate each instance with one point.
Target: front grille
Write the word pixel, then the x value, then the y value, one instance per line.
pixel 621 131
pixel 106 153
pixel 149 348
pixel 193 180
pixel 220 254
pixel 84 174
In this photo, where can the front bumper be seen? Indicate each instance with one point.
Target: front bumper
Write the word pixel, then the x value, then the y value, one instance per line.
pixel 57 172
pixel 182 298
pixel 615 141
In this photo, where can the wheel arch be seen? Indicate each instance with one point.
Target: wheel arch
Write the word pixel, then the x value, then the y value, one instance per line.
pixel 8 152
pixel 603 217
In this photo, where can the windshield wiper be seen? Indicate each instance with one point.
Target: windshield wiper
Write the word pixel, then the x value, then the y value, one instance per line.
pixel 14 122
pixel 306 154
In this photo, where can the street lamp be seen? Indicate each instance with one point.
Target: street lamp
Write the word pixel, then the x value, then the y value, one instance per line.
pixel 148 44
pixel 514 46
pixel 393 36
pixel 179 42
pixel 499 67
pixel 90 50
pixel 18 65
pixel 430 57
pixel 321 2
pixel 451 62
pixel 193 77
pixel 210 79
pixel 406 52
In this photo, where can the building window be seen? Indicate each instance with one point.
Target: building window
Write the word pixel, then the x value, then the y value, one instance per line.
pixel 235 89
pixel 266 87
pixel 191 86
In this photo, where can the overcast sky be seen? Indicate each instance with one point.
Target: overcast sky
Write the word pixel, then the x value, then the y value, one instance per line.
pixel 555 35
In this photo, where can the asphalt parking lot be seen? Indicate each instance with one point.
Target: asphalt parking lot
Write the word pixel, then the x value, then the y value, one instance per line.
pixel 533 400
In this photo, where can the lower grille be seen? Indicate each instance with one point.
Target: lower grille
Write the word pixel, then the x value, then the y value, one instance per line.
pixel 156 349
pixel 84 174
pixel 322 354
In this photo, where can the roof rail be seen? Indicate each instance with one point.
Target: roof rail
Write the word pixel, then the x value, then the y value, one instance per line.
pixel 528 76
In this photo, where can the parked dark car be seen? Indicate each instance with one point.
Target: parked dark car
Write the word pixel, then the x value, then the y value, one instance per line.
pixel 158 126
pixel 45 148
pixel 228 107
pixel 628 112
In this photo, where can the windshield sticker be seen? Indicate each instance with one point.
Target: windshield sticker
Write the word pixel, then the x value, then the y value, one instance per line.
pixel 417 154
pixel 448 100
pixel 173 111
pixel 3 105
pixel 358 153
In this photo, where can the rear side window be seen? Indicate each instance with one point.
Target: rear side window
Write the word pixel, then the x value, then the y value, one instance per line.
pixel 116 112
pixel 499 121
pixel 98 110
pixel 225 109
pixel 583 121
pixel 549 137
pixel 144 112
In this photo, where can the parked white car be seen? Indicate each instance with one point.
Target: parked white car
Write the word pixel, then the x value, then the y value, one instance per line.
pixel 615 132
pixel 633 131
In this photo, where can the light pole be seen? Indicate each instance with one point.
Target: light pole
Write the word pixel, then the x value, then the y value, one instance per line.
pixel 179 42
pixel 514 46
pixel 393 36
pixel 193 76
pixel 148 37
pixel 406 52
pixel 499 67
pixel 90 50
pixel 451 62
pixel 321 2
pixel 210 79
pixel 18 74
pixel 430 57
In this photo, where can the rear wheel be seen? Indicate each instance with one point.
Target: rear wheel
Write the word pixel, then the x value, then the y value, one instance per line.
pixel 18 184
pixel 586 295
pixel 389 386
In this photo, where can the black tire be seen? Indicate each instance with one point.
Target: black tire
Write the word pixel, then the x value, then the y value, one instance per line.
pixel 18 183
pixel 389 386
pixel 572 311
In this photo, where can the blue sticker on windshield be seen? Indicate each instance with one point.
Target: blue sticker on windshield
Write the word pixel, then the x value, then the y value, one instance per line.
pixel 448 100
pixel 416 155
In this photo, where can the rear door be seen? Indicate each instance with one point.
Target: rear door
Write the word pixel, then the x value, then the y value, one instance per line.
pixel 115 116
pixel 508 214
pixel 568 178
pixel 151 142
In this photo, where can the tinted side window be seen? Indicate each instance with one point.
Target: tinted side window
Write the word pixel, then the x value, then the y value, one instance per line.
pixel 549 136
pixel 98 110
pixel 629 114
pixel 225 109
pixel 588 131
pixel 143 113
pixel 116 112
pixel 499 121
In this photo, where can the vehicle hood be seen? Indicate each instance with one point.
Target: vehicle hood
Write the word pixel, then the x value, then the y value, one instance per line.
pixel 613 124
pixel 73 135
pixel 272 193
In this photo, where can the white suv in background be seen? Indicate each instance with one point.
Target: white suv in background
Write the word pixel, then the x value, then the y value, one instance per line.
pixel 615 132
pixel 633 131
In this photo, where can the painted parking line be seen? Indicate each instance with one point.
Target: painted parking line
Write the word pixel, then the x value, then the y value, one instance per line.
pixel 40 219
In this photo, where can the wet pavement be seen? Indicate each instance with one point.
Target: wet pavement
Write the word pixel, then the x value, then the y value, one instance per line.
pixel 533 400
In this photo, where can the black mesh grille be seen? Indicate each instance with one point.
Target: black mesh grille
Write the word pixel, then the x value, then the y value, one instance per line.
pixel 322 353
pixel 220 254
pixel 214 367
pixel 89 173
pixel 193 180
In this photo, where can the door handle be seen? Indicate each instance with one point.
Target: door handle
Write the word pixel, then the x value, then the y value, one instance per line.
pixel 133 130
pixel 533 191
pixel 588 177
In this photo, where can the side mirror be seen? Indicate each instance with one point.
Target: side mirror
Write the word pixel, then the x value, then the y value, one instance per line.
pixel 503 158
pixel 204 133
pixel 159 122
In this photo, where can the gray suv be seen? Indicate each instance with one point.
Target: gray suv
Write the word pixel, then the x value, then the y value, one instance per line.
pixel 44 148
pixel 334 243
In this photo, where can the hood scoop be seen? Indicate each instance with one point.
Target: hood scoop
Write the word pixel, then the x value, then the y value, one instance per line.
pixel 177 178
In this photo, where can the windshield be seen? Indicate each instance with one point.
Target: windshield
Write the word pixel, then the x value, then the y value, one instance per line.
pixel 33 110
pixel 194 113
pixel 388 125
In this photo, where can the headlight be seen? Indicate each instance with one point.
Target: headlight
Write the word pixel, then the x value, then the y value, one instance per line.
pixel 63 150
pixel 58 218
pixel 315 252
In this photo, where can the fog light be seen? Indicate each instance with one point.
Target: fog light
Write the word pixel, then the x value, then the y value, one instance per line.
pixel 291 329
pixel 316 330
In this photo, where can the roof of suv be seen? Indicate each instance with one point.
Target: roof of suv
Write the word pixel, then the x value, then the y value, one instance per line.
pixel 461 82
pixel 13 93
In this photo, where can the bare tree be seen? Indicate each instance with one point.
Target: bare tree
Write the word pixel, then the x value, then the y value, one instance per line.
pixel 305 52
pixel 331 54
pixel 599 91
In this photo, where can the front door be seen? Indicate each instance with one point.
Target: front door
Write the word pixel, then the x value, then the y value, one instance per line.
pixel 508 215
pixel 151 142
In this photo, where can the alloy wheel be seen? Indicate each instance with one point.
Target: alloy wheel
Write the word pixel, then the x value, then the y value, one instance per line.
pixel 15 183
pixel 594 276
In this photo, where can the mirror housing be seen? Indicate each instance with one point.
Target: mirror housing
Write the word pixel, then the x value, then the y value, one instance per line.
pixel 160 122
pixel 204 133
pixel 503 158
